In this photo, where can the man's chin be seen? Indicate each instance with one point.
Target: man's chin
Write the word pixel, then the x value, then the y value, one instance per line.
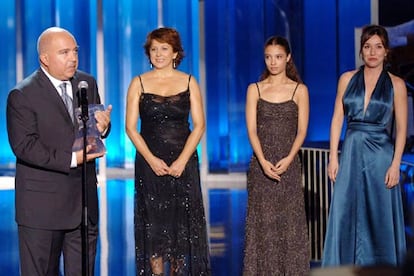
pixel 70 74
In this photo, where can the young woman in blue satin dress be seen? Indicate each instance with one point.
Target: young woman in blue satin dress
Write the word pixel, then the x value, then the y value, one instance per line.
pixel 366 222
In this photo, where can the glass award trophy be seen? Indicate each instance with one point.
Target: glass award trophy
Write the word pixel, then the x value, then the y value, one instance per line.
pixel 93 136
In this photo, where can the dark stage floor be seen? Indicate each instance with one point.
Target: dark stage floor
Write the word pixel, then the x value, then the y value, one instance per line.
pixel 116 245
pixel 226 212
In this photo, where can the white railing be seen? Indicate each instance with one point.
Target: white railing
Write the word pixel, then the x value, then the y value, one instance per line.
pixel 318 190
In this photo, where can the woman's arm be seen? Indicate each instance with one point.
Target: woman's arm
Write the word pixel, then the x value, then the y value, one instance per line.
pixel 336 125
pixel 392 176
pixel 197 116
pixel 251 122
pixel 302 101
pixel 131 122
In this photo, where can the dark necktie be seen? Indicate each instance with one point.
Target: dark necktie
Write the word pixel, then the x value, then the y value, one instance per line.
pixel 66 99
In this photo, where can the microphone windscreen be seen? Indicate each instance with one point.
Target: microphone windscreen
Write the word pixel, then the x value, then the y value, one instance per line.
pixel 83 85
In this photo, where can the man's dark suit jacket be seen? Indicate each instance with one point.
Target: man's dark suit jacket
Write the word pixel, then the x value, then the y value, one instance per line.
pixel 41 135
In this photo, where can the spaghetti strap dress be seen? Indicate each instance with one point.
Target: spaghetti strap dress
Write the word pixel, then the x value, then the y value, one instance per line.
pixel 169 213
pixel 366 222
pixel 276 239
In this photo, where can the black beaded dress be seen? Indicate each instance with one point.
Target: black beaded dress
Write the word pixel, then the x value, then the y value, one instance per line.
pixel 276 241
pixel 169 212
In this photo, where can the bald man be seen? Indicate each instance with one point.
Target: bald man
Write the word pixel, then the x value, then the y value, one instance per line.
pixel 48 182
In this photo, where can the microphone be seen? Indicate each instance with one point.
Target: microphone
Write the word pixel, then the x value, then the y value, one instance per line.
pixel 83 88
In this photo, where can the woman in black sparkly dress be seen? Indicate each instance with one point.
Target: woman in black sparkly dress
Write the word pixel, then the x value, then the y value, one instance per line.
pixel 170 225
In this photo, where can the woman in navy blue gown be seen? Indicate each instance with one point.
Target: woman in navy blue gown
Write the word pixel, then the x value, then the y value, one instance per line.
pixel 366 222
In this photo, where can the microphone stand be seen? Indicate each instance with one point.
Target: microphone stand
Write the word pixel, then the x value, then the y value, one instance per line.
pixel 84 227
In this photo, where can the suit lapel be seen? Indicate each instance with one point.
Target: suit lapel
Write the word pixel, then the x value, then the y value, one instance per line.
pixel 54 94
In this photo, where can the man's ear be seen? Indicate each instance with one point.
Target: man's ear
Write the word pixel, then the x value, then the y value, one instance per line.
pixel 44 59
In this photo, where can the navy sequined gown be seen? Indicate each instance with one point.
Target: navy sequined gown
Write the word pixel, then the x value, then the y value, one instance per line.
pixel 169 212
pixel 366 222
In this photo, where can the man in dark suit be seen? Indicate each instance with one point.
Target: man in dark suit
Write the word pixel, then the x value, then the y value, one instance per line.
pixel 48 185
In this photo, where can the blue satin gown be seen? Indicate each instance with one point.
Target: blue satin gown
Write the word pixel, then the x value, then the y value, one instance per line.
pixel 366 222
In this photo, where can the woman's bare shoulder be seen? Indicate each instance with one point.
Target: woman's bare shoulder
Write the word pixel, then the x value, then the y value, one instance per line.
pixel 348 74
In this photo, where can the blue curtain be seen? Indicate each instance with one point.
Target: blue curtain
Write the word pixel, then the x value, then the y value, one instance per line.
pixel 7 71
pixel 320 32
pixel 125 26
pixel 235 31
pixel 329 39
pixel 25 20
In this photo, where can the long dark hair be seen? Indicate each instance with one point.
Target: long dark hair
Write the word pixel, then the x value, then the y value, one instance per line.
pixel 291 71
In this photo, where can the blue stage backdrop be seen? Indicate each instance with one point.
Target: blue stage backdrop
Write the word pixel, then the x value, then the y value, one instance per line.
pixel 7 71
pixel 320 32
pixel 235 32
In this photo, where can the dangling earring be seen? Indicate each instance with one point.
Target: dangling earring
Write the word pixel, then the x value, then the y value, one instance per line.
pixel 150 64
pixel 174 65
